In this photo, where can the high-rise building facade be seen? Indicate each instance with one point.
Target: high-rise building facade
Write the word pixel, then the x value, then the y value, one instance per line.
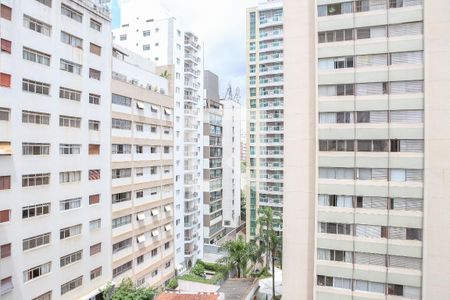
pixel 142 171
pixel 231 162
pixel 264 112
pixel 212 160
pixel 366 150
pixel 55 120
pixel 150 31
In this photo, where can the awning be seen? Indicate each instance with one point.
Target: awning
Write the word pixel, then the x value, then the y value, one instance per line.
pixel 167 111
pixel 140 105
pixel 141 238
pixel 140 216
pixel 168 227
pixel 155 232
pixel 167 208
pixel 155 212
pixel 5 148
pixel 154 108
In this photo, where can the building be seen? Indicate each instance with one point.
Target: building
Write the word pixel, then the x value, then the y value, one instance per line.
pixel 55 146
pixel 150 31
pixel 142 171
pixel 366 150
pixel 264 112
pixel 212 161
pixel 231 141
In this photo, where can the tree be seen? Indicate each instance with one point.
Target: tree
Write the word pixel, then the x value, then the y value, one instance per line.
pixel 238 254
pixel 270 241
pixel 127 291
pixel 165 74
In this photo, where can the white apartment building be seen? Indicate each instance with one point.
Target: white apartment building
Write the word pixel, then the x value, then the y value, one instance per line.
pixel 142 171
pixel 149 30
pixel 55 89
pixel 213 228
pixel 366 150
pixel 264 112
pixel 231 145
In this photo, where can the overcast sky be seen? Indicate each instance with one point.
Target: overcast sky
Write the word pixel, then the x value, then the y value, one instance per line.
pixel 221 25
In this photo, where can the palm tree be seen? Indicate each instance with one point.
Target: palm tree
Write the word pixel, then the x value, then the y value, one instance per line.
pixel 255 255
pixel 237 255
pixel 165 74
pixel 270 240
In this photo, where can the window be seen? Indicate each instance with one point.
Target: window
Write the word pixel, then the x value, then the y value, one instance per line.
pixel 140 127
pixel 5 215
pixel 35 117
pixel 71 285
pixel 94 99
pixel 36 25
pixel 37 210
pixel 94 249
pixel 70 67
pixel 121 148
pixel 71 40
pixel 49 4
pixel 121 124
pixel 97 272
pixel 35 149
pixel 68 121
pixel 93 48
pixel 94 125
pixel 71 13
pixel 405 29
pixel 94 174
pixel 140 259
pixel 5 182
pixel 94 199
pixel 121 100
pixel 121 197
pixel 69 232
pixel 5 12
pixel 36 241
pixel 121 221
pixel 70 258
pixel 67 149
pixel 36 272
pixel 94 74
pixel 121 245
pixel 65 93
pixel 69 204
pixel 146 47
pixel 35 179
pixel 4 114
pixel 154 273
pixel 166 245
pixel 71 176
pixel 121 173
pixel 336 36
pixel 5 80
pixel 95 224
pixel 6 284
pixel 96 25
pixel 122 269
pixel 5 250
pixel 5 45
pixel 48 295
pixel 146 32
pixel 123 37
pixel 36 87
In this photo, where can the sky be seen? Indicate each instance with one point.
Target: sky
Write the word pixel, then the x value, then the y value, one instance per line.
pixel 221 25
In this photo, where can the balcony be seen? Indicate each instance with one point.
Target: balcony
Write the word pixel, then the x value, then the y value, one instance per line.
pixel 192 58
pixel 192 71
pixel 273 21
pixel 191 85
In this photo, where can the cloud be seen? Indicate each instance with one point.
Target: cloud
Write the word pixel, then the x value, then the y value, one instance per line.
pixel 221 24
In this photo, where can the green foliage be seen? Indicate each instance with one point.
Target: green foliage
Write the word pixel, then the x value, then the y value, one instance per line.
pixel 198 270
pixel 165 74
pixel 195 278
pixel 128 291
pixel 173 284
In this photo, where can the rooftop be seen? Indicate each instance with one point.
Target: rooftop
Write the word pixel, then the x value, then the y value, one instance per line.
pixel 238 288
pixel 185 296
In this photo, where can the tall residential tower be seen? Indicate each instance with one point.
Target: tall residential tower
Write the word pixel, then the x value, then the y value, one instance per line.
pixel 150 31
pixel 264 112
pixel 366 150
pixel 55 176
